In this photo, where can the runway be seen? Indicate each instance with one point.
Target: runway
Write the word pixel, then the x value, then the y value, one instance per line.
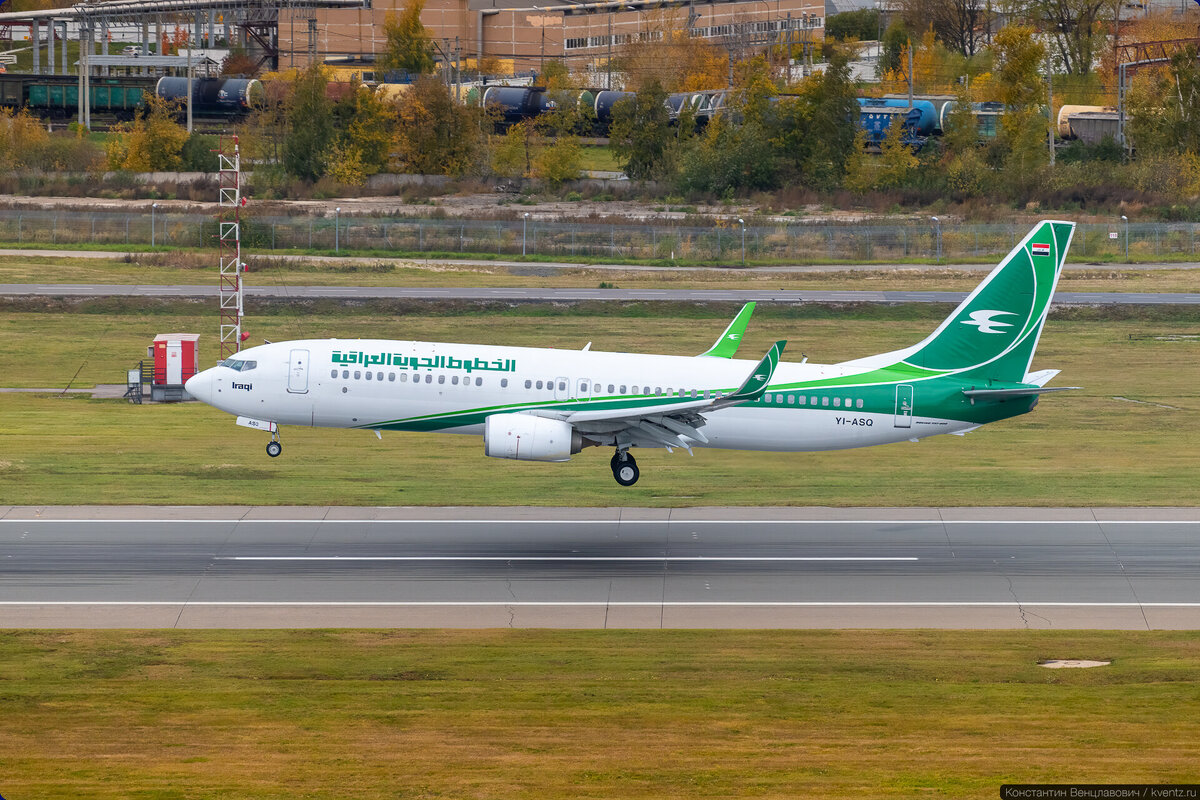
pixel 550 295
pixel 252 567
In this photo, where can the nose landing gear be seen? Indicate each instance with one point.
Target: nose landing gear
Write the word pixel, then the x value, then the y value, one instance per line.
pixel 624 468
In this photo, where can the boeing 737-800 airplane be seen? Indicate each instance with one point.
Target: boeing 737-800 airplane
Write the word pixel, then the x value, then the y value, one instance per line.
pixel 539 404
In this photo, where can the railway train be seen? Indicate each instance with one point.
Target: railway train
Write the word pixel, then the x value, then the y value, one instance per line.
pixel 1088 124
pixel 119 98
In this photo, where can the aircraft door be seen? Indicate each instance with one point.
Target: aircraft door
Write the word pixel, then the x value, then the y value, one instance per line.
pixel 904 406
pixel 298 372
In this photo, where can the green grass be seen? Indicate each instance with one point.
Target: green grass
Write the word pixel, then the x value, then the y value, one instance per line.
pixel 730 259
pixel 598 157
pixel 605 714
pixel 200 268
pixel 1078 448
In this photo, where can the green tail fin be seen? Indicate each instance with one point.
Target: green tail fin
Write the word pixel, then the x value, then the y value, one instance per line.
pixel 994 332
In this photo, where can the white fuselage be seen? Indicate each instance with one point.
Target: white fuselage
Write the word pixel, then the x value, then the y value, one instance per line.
pixel 434 386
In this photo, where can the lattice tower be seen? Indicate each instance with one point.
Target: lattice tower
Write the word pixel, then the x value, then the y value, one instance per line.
pixel 229 244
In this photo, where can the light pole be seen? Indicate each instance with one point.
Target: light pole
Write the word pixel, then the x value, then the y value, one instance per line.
pixel 153 209
pixel 937 238
pixel 742 222
pixel 337 218
pixel 1125 219
pixel 524 228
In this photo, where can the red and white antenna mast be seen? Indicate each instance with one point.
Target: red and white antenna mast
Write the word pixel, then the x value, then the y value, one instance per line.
pixel 229 243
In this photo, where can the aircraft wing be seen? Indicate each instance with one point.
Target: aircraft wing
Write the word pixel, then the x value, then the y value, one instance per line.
pixel 663 424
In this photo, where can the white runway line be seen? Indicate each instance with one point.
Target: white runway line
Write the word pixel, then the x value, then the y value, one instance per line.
pixel 596 604
pixel 707 559
pixel 16 521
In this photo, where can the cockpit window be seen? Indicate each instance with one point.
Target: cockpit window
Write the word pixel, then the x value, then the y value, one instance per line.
pixel 238 365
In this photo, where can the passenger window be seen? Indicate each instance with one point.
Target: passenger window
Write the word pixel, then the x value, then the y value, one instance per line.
pixel 858 403
pixel 801 399
pixel 403 377
pixel 847 402
pixel 368 376
pixel 658 390
pixel 791 399
pixel 646 390
pixel 429 379
pixel 345 374
pixel 562 385
pixel 391 377
pixel 813 400
pixel 333 373
pixel 503 383
pixel 454 380
pixel 441 378
pixel 378 376
pixel 539 384
pixel 623 388
pixel 824 401
pixel 837 402
pixel 357 374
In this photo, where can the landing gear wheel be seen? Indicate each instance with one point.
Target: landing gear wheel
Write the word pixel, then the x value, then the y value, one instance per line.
pixel 626 472
pixel 274 449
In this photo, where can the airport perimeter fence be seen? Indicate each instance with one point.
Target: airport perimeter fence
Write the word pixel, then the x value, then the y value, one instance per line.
pixel 721 244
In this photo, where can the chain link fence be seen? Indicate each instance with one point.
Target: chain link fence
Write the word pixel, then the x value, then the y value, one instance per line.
pixel 723 244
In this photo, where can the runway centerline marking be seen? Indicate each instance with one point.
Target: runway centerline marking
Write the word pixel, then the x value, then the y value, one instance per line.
pixel 567 558
pixel 18 520
pixel 599 603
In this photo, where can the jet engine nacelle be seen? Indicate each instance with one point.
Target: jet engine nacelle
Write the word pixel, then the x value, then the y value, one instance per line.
pixel 528 438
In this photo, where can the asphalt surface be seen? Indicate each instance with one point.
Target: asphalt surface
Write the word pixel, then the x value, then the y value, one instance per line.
pixel 523 266
pixel 592 568
pixel 539 294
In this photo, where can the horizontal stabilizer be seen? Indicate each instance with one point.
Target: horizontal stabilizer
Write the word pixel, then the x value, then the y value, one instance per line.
pixel 1026 391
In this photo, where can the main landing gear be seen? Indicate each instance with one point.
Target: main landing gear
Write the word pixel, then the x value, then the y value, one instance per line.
pixel 274 448
pixel 624 468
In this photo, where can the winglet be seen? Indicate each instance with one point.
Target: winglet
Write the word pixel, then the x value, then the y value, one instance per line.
pixel 727 345
pixel 756 384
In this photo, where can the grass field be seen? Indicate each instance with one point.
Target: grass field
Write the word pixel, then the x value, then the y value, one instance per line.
pixel 606 714
pixel 195 268
pixel 1128 438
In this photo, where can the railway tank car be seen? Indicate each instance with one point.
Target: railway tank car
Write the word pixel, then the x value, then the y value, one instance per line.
pixel 213 96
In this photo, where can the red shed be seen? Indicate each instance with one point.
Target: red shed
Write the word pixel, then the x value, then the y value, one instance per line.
pixel 176 358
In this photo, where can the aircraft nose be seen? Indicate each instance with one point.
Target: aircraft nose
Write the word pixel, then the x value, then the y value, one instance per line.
pixel 199 386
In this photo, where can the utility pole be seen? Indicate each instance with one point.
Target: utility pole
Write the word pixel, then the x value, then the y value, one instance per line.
pixel 910 74
pixel 608 66
pixel 1050 105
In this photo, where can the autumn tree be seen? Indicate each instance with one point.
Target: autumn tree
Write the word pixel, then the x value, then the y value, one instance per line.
pixel 151 142
pixel 640 135
pixel 1076 28
pixel 959 24
pixel 408 47
pixel 362 146
pixel 1164 107
pixel 435 135
pixel 310 129
pixel 814 132
pixel 666 53
pixel 237 62
pixel 1023 128
pixel 21 136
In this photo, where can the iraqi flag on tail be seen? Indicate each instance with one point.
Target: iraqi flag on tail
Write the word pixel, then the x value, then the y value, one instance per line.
pixel 1042 249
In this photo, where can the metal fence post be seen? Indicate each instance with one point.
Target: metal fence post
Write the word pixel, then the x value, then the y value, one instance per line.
pixel 18 228
pixel 272 235
pixel 127 229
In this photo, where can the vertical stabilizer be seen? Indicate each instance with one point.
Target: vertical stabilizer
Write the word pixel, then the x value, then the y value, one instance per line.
pixel 994 332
